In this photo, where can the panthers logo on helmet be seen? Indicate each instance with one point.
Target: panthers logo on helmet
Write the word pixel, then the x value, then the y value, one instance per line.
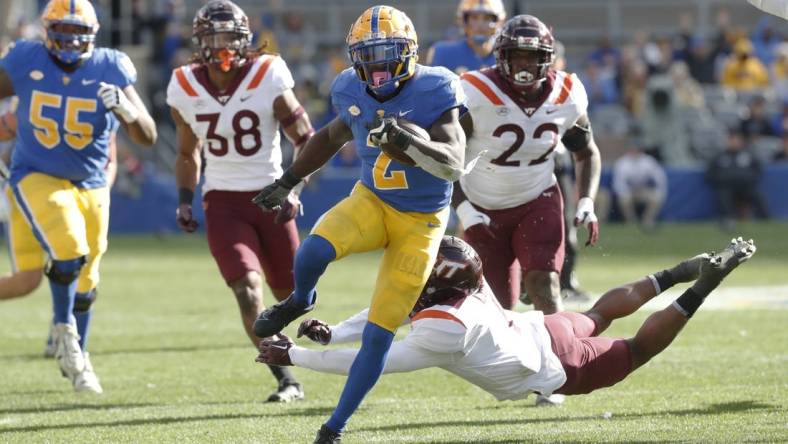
pixel 71 27
pixel 383 47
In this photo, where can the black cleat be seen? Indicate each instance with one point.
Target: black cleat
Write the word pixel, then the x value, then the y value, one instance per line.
pixel 276 317
pixel 327 436
pixel 287 393
pixel 719 265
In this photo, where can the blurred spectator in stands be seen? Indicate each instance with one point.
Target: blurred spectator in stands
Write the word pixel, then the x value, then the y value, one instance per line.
pixel 634 76
pixel 734 176
pixel 780 71
pixel 664 130
pixel 682 40
pixel 743 71
pixel 765 40
pixel 297 41
pixel 605 53
pixel 689 94
pixel 755 123
pixel 658 55
pixel 600 84
pixel 701 61
pixel 639 181
pixel 722 39
pixel 782 155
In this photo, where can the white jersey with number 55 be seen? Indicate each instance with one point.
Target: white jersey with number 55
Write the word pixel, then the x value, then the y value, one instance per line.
pixel 519 138
pixel 237 128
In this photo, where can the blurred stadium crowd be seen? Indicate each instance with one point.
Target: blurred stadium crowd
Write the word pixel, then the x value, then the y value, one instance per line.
pixel 705 92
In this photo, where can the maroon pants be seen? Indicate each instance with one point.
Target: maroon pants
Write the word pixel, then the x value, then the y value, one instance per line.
pixel 527 237
pixel 243 238
pixel 590 362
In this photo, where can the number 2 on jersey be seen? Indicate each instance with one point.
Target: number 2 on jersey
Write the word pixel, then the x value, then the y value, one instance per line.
pixel 387 180
pixel 78 134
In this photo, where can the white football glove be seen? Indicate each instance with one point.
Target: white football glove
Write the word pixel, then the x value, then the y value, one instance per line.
pixel 470 216
pixel 585 216
pixel 115 99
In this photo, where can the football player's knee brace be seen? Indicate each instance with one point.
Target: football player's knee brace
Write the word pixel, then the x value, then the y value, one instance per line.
pixel 84 301
pixel 65 272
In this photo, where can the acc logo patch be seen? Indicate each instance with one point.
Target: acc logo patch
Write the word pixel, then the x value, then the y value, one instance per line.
pixel 354 110
pixel 502 111
pixel 36 74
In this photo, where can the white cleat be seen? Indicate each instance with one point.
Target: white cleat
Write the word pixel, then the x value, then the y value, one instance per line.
pixel 552 400
pixel 87 381
pixel 67 350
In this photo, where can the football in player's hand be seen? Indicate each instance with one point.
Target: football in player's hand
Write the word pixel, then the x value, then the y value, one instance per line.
pixel 396 153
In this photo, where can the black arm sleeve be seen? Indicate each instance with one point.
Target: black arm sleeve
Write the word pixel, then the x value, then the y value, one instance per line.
pixel 579 136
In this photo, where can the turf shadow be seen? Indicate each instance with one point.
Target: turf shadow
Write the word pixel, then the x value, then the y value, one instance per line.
pixel 128 422
pixel 69 407
pixel 711 409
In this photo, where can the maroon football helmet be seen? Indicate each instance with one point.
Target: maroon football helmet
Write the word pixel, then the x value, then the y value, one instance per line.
pixel 457 273
pixel 524 33
pixel 222 34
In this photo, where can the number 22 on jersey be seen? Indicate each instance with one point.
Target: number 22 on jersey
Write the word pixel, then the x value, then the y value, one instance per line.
pixel 78 134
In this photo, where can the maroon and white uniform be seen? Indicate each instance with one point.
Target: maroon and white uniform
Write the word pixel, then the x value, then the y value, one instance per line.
pixel 506 353
pixel 513 182
pixel 240 143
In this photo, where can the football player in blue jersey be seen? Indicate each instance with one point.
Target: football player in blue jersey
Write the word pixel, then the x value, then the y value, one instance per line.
pixel 71 96
pixel 399 206
pixel 479 20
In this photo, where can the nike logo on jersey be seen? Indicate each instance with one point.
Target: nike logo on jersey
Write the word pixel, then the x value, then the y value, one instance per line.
pixel 404 113
pixel 551 111
pixel 245 98
pixel 86 82
pixel 433 225
pixel 281 347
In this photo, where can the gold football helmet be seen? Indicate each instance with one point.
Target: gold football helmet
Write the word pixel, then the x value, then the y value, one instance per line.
pixel 71 27
pixel 383 47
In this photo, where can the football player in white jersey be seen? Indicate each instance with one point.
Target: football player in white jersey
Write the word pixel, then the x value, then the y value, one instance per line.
pixel 229 106
pixel 509 204
pixel 458 325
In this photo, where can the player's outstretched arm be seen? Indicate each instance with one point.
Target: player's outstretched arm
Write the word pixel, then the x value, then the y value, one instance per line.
pixel 6 87
pixel 402 357
pixel 187 171
pixel 580 141
pixel 318 150
pixel 321 147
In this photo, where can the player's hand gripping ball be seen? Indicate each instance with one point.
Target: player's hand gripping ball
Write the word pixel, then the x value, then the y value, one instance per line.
pixel 393 136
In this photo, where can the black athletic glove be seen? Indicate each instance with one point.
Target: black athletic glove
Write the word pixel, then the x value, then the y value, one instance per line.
pixel 272 196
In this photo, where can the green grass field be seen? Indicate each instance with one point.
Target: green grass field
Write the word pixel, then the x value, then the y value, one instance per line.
pixel 176 367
